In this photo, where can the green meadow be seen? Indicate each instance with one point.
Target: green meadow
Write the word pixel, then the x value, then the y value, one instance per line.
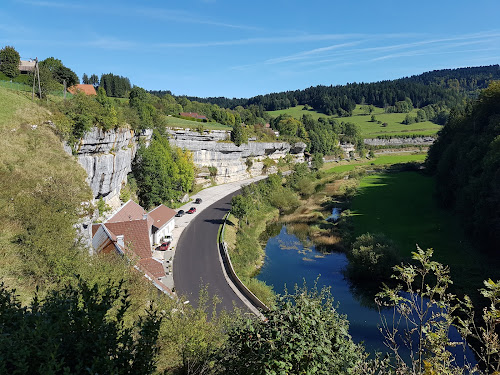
pixel 371 129
pixel 387 159
pixel 176 122
pixel 402 206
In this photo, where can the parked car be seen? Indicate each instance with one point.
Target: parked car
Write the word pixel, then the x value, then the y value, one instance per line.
pixel 164 246
pixel 198 201
pixel 192 210
pixel 180 213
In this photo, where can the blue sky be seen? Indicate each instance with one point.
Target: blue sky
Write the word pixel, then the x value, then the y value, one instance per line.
pixel 237 48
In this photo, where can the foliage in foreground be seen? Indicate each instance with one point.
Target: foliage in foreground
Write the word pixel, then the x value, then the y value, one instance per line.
pixel 302 334
pixel 425 314
pixel 76 329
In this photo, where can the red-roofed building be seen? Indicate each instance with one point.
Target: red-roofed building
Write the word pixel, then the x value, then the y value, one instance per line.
pixel 132 232
pixel 162 222
pixel 86 89
pixel 193 115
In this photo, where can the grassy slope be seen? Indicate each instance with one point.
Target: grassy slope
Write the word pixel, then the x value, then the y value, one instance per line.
pixel 402 206
pixel 32 161
pixel 182 123
pixel 372 129
pixel 389 159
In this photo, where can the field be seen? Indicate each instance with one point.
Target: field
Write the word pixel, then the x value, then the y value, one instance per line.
pixel 388 159
pixel 182 123
pixel 371 129
pixel 402 206
pixel 21 87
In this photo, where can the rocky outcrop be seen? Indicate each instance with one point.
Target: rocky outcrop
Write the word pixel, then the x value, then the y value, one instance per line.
pixel 400 141
pixel 233 162
pixel 107 158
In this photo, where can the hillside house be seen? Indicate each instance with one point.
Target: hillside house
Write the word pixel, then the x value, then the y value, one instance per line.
pixel 86 89
pixel 134 233
pixel 26 66
pixel 193 115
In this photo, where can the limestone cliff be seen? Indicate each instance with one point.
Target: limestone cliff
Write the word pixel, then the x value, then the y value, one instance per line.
pixel 107 156
pixel 400 141
pixel 107 159
pixel 233 162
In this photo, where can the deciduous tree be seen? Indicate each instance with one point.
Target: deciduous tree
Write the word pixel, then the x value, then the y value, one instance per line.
pixel 9 61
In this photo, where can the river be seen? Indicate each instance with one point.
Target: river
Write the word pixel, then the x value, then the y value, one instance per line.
pixel 290 262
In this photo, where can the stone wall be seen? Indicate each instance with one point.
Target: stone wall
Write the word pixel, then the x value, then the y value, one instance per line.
pixel 416 141
pixel 107 159
pixel 231 161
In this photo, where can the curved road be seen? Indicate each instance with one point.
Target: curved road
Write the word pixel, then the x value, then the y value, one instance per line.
pixel 196 260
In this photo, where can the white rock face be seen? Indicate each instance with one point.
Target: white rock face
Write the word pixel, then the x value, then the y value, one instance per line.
pixel 107 158
pixel 230 160
pixel 417 141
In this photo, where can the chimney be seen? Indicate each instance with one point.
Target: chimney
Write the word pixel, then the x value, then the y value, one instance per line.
pixel 120 241
pixel 144 216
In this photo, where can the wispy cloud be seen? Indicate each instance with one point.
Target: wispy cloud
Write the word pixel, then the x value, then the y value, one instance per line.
pixel 52 4
pixel 308 54
pixel 375 48
pixel 147 12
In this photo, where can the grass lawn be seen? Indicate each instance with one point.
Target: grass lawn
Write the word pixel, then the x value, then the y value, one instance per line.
pixel 297 112
pixel 17 108
pixel 402 206
pixel 372 129
pixel 176 122
pixel 344 166
pixel 32 162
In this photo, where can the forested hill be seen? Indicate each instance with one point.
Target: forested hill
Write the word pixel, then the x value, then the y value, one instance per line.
pixel 447 87
pixel 466 161
pixel 469 80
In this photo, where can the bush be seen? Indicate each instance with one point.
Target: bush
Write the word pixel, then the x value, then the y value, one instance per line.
pixel 213 171
pixel 302 334
pixel 372 257
pixel 77 329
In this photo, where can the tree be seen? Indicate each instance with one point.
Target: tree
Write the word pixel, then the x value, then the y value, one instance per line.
pixel 47 81
pixel 107 117
pixel 237 134
pixel 317 161
pixel 94 80
pixel 9 61
pixel 85 79
pixel 52 64
pixel 302 334
pixel 162 173
pixel 241 206
pixel 66 74
pixel 76 329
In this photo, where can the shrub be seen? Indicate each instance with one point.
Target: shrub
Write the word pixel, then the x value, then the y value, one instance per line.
pixel 213 171
pixel 372 256
pixel 302 334
pixel 76 329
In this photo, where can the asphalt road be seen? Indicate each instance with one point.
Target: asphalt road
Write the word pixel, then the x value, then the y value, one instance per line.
pixel 196 261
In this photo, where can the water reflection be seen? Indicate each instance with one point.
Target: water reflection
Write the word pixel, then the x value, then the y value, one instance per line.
pixel 335 216
pixel 290 261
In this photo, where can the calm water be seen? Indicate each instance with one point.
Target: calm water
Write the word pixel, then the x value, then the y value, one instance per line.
pixel 288 262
